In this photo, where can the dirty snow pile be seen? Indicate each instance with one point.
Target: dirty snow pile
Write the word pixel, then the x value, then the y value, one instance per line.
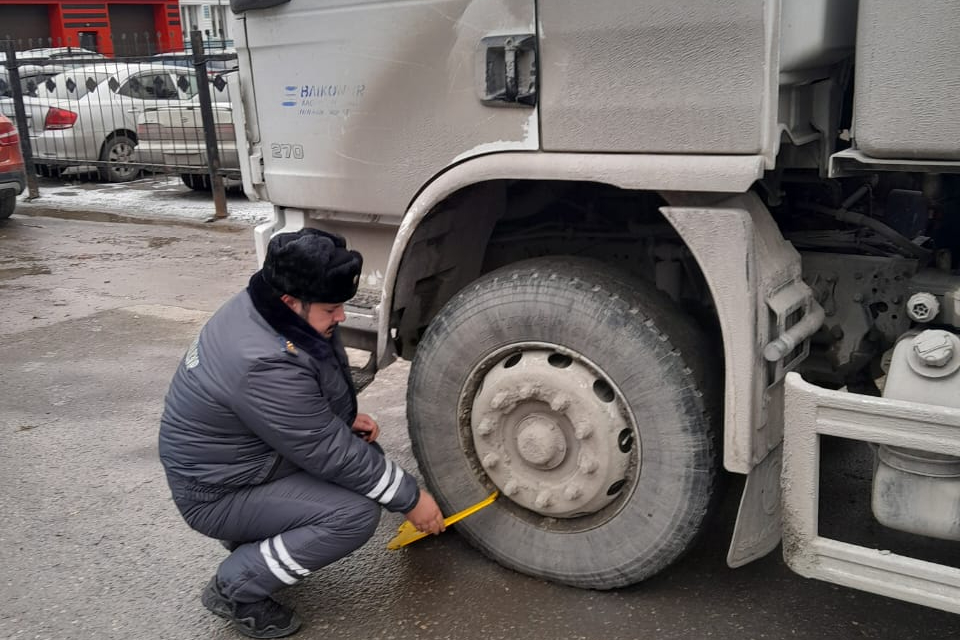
pixel 149 198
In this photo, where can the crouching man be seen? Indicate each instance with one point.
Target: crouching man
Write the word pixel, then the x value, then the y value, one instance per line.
pixel 261 440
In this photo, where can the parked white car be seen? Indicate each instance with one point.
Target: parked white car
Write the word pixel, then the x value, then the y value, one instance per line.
pixel 172 137
pixel 90 113
pixel 44 63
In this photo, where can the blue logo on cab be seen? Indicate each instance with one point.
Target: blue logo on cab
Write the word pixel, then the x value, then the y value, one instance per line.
pixel 289 91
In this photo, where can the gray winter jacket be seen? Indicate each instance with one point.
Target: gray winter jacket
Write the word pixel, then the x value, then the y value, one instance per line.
pixel 247 406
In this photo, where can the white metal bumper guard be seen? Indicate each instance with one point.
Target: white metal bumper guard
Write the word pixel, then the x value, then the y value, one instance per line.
pixel 811 412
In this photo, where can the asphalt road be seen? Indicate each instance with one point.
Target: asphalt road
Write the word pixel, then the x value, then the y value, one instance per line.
pixel 93 320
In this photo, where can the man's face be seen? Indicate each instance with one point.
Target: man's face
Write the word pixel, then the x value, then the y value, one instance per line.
pixel 322 316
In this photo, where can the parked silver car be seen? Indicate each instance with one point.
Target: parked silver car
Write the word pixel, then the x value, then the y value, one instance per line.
pixel 90 113
pixel 43 63
pixel 172 138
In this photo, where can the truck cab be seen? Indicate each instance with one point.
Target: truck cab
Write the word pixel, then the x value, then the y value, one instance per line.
pixel 630 249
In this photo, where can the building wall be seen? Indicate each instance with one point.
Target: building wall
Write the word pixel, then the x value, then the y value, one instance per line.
pixel 29 23
pixel 89 24
pixel 213 19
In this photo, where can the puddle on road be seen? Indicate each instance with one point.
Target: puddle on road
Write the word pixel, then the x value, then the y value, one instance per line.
pixel 11 273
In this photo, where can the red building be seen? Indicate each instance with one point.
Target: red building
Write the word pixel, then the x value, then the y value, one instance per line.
pixel 116 27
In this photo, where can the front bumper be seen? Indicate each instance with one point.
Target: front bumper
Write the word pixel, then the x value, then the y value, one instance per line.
pixel 15 180
pixel 812 412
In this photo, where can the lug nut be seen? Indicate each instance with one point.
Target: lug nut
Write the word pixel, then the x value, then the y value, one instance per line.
pixel 588 465
pixel 485 427
pixel 511 488
pixel 560 403
pixel 502 401
pixel 572 492
pixel 583 431
pixel 526 391
pixel 490 460
pixel 543 500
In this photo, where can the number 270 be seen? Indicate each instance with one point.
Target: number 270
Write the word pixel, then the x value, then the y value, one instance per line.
pixel 294 151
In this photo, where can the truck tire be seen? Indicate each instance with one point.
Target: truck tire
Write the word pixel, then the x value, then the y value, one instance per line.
pixel 119 150
pixel 8 202
pixel 547 379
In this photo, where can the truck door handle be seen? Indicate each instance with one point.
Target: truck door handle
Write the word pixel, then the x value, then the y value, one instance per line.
pixel 510 70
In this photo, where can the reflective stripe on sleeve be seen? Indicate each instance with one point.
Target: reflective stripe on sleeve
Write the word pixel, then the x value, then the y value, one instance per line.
pixel 273 565
pixel 384 481
pixel 392 491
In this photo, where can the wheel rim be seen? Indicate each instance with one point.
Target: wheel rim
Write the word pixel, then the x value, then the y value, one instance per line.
pixel 122 152
pixel 552 432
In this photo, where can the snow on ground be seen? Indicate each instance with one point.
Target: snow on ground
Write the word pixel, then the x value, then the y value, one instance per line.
pixel 155 197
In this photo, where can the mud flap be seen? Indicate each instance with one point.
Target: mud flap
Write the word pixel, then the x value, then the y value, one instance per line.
pixel 757 531
pixel 811 412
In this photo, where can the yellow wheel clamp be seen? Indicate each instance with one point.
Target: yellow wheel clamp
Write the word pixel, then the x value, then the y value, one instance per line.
pixel 407 534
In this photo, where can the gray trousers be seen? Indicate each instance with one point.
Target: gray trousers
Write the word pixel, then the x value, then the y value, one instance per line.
pixel 287 528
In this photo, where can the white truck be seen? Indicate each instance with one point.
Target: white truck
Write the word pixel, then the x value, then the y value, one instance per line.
pixel 632 248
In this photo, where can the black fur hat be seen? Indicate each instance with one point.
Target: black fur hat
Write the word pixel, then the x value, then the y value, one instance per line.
pixel 313 266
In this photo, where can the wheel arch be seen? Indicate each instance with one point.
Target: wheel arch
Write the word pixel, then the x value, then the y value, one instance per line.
pixel 636 172
pixel 116 133
pixel 698 198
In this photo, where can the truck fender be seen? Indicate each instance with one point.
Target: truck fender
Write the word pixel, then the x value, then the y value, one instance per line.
pixel 723 174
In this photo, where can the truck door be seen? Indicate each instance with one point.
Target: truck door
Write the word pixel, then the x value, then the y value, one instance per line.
pixel 663 76
pixel 360 104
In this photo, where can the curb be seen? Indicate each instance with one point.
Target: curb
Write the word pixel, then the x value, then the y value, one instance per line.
pixel 224 224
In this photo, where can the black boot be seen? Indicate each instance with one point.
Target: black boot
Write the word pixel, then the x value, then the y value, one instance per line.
pixel 265 618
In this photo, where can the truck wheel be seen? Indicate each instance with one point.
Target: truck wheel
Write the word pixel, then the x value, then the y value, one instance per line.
pixel 582 395
pixel 119 150
pixel 8 202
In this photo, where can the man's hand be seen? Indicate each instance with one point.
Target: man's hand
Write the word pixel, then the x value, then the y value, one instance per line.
pixel 366 427
pixel 426 515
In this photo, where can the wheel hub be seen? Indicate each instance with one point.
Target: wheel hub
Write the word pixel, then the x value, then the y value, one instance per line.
pixel 540 441
pixel 550 431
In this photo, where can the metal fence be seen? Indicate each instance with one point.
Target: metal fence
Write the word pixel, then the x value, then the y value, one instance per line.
pixel 126 116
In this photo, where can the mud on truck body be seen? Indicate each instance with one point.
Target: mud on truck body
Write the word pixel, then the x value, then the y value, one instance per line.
pixel 632 248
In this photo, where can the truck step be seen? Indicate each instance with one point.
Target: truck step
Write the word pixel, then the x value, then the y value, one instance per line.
pixel 365 300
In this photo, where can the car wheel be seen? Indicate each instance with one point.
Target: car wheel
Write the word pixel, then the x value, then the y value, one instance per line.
pixel 584 396
pixel 119 151
pixel 8 202
pixel 196 181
